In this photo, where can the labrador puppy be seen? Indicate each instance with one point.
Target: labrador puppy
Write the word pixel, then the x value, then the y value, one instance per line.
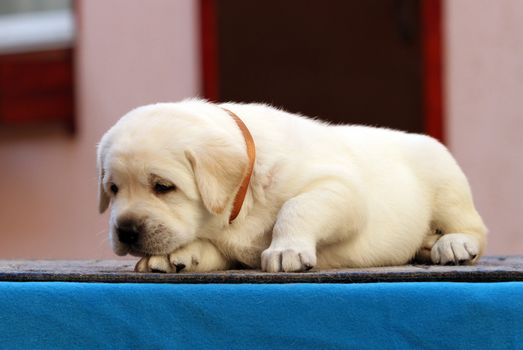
pixel 196 186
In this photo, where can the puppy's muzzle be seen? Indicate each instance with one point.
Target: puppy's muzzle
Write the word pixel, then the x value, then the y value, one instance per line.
pixel 129 231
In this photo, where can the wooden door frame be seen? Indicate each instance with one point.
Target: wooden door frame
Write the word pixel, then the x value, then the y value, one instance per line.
pixel 433 67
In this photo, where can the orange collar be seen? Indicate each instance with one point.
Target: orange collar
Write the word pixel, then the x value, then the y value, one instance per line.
pixel 251 154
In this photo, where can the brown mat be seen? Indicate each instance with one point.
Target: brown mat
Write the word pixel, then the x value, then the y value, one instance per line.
pixel 489 269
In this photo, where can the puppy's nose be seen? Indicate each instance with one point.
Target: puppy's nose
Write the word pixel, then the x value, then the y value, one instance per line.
pixel 128 231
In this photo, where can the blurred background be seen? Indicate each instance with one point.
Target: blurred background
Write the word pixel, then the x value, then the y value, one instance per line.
pixel 70 69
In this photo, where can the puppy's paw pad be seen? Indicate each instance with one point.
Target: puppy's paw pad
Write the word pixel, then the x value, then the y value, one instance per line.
pixel 287 260
pixel 455 249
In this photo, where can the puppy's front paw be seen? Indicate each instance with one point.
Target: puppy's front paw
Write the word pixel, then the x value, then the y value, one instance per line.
pixel 455 248
pixel 185 259
pixel 181 259
pixel 159 263
pixel 288 259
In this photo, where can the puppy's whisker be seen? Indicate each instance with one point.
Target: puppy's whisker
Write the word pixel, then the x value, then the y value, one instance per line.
pixel 103 242
pixel 104 231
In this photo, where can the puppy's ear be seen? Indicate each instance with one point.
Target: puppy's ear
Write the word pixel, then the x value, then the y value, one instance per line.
pixel 103 198
pixel 219 169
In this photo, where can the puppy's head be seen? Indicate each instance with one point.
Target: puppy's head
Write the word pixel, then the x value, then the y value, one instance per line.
pixel 167 170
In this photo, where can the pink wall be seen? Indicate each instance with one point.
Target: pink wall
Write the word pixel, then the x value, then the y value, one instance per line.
pixel 48 183
pixel 484 77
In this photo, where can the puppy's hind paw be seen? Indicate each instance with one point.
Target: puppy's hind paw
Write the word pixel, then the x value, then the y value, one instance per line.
pixel 455 249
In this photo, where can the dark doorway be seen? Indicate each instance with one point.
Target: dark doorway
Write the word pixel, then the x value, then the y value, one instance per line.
pixel 358 61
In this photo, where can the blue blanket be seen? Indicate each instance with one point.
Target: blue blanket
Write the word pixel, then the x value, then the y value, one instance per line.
pixel 271 316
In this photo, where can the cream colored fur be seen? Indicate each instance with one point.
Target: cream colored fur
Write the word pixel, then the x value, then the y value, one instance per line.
pixel 321 196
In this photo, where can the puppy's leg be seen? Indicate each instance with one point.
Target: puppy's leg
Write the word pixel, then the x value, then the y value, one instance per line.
pixel 464 234
pixel 322 215
pixel 197 256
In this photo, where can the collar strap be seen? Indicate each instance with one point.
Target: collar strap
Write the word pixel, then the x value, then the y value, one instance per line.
pixel 251 154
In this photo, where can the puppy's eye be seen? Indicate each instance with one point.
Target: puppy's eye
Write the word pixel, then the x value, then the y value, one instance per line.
pixel 114 189
pixel 163 188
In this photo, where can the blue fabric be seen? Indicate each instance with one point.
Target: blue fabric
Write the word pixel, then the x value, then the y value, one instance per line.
pixel 303 316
